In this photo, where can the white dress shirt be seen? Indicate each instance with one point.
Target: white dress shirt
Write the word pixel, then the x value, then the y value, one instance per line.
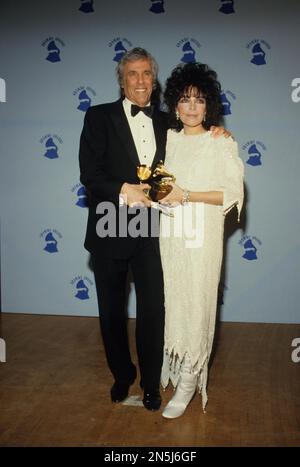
pixel 142 132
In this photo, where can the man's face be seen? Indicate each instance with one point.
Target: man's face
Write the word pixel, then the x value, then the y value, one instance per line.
pixel 138 82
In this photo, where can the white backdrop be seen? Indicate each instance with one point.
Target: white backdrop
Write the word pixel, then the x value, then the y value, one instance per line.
pixel 57 56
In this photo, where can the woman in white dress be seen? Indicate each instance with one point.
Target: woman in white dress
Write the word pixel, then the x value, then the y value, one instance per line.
pixel 209 182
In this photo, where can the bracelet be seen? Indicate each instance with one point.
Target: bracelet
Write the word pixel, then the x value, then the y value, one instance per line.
pixel 185 197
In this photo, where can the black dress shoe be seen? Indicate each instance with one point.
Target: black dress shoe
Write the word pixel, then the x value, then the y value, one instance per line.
pixel 119 391
pixel 152 399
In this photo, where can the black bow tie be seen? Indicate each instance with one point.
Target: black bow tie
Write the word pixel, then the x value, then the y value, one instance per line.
pixel 135 109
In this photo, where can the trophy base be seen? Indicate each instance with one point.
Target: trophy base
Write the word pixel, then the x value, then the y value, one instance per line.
pixel 157 195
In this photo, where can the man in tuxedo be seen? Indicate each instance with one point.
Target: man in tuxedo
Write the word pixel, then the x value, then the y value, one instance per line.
pixel 116 138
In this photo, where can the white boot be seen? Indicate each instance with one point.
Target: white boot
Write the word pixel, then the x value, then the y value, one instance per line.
pixel 183 395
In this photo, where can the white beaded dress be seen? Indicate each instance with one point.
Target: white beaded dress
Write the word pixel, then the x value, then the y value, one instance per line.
pixel 192 272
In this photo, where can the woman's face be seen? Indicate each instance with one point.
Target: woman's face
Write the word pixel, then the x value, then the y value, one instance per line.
pixel 192 108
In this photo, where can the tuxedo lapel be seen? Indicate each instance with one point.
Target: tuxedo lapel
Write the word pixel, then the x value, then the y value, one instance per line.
pixel 123 129
pixel 160 137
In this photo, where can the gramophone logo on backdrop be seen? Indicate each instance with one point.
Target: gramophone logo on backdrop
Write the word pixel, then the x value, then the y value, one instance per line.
pixel 250 245
pixel 227 7
pixel 84 97
pixel 81 287
pixel 188 48
pixel 86 6
pixel 254 152
pixel 226 99
pixel 50 146
pixel 81 196
pixel 2 90
pixel 50 241
pixel 258 49
pixel 53 51
pixel 157 6
pixel 119 46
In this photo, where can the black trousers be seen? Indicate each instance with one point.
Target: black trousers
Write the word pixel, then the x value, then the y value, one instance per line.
pixel 111 280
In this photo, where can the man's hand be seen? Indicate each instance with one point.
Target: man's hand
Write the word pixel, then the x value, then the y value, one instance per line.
pixel 217 131
pixel 134 195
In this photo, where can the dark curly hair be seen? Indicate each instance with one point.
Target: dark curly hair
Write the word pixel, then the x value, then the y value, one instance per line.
pixel 194 75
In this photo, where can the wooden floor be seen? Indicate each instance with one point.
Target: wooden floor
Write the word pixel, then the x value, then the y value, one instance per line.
pixel 54 389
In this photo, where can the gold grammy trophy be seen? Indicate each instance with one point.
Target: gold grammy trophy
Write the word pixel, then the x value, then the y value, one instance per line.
pixel 158 179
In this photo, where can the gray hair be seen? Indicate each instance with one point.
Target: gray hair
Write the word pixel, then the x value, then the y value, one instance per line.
pixel 132 56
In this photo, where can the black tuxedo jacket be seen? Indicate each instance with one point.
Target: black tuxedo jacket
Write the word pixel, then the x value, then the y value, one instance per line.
pixel 108 158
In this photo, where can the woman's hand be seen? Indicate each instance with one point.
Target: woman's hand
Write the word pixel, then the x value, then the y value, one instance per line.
pixel 217 131
pixel 174 197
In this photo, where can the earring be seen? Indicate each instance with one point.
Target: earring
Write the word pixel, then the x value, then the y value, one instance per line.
pixel 177 115
pixel 204 117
